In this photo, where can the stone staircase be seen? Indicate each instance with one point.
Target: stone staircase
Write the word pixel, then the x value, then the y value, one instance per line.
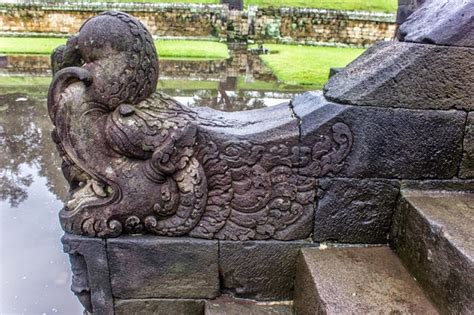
pixel 433 234
pixel 428 270
pixel 368 280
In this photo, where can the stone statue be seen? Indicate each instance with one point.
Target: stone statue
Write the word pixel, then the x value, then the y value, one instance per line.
pixel 139 162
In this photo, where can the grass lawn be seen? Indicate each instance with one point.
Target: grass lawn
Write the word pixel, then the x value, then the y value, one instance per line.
pixel 307 65
pixel 167 49
pixel 179 49
pixel 367 5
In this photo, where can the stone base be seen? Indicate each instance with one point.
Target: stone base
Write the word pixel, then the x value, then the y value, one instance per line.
pixel 159 275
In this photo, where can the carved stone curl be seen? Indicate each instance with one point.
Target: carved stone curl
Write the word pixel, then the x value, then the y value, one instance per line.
pixel 139 162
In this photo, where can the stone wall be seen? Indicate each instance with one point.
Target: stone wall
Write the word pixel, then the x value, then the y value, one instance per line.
pixel 323 26
pixel 294 25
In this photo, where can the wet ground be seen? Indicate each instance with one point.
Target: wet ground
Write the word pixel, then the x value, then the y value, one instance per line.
pixel 34 274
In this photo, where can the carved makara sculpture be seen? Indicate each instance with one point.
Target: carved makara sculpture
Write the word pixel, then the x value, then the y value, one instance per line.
pixel 139 162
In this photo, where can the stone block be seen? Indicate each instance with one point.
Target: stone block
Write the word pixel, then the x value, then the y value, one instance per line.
pixel 159 307
pixel 90 273
pixel 362 280
pixel 432 232
pixel 354 211
pixel 441 22
pixel 226 305
pixel 467 165
pixel 375 142
pixel 261 270
pixel 408 75
pixel 159 267
pixel 454 185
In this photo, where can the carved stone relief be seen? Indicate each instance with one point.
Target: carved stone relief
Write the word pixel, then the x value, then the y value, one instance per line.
pixel 139 162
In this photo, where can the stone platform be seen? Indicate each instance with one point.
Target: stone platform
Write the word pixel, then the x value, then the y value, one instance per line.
pixel 148 272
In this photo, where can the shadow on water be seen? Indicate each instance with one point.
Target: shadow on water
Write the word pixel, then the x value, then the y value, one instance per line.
pixel 34 274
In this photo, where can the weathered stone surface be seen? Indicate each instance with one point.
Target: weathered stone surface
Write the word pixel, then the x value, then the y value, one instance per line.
pixel 90 273
pixel 467 165
pixel 159 307
pixel 259 270
pixel 163 168
pixel 441 22
pixel 397 74
pixel 381 142
pixel 156 267
pixel 369 280
pixel 439 185
pixel 226 305
pixel 354 211
pixel 434 237
pixel 406 8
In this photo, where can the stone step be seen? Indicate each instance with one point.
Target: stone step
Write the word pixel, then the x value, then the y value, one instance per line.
pixel 433 233
pixel 226 305
pixel 356 280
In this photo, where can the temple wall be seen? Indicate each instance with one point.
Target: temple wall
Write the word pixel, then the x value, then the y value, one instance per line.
pixel 191 20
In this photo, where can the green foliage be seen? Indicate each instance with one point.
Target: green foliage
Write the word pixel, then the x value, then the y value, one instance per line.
pixel 167 49
pixel 307 65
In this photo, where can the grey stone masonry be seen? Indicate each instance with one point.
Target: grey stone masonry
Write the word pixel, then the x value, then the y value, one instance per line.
pixel 354 211
pixel 433 234
pixel 262 270
pixel 155 267
pixel 441 22
pixel 467 166
pixel 159 307
pixel 392 143
pixel 369 280
pixel 407 75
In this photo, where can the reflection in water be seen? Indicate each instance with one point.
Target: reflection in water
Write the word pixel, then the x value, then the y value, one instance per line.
pixel 230 101
pixel 34 275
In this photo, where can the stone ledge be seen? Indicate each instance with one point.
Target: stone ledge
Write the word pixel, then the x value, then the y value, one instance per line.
pixel 407 75
pixel 159 307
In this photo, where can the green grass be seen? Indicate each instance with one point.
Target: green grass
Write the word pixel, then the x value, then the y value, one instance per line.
pixel 307 65
pixel 158 1
pixel 179 49
pixel 366 5
pixel 167 49
pixel 26 45
pixel 25 81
